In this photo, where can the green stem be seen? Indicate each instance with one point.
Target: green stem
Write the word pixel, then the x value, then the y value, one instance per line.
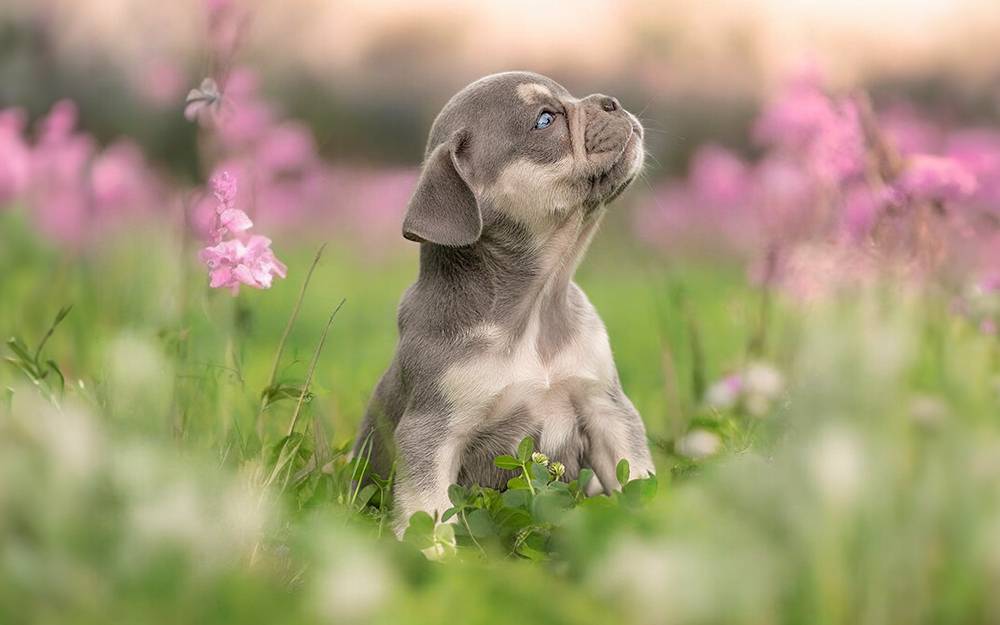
pixel 465 522
pixel 312 369
pixel 527 478
pixel 284 339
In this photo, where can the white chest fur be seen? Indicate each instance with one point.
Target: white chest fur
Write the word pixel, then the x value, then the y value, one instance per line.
pixel 509 374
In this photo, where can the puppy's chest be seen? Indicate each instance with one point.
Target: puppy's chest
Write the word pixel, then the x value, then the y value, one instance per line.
pixel 507 376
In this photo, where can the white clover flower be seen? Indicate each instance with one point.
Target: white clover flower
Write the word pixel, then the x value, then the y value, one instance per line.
pixel 698 444
pixel 540 458
pixel 837 464
pixel 351 583
pixel 762 379
pixel 665 582
pixel 725 393
pixel 557 469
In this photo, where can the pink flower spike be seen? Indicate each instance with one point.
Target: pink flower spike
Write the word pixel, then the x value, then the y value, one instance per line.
pixel 234 220
pixel 937 178
pixel 224 189
pixel 232 263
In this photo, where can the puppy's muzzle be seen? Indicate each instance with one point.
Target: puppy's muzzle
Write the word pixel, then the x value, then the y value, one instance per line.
pixel 612 141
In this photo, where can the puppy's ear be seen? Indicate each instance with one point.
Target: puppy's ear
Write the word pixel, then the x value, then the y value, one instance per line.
pixel 443 209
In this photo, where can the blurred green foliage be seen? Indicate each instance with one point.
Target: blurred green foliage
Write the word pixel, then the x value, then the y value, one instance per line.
pixel 869 492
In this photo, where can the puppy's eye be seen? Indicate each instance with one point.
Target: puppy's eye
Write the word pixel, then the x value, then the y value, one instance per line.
pixel 544 120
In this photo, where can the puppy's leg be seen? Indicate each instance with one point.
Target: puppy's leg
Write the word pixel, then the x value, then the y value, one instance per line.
pixel 615 431
pixel 374 441
pixel 429 462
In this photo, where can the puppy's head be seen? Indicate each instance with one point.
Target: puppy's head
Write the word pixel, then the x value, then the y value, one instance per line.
pixel 518 146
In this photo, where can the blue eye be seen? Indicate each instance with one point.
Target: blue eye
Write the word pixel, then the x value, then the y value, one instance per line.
pixel 545 120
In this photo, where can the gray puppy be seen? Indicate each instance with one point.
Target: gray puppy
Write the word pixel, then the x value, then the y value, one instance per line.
pixel 496 341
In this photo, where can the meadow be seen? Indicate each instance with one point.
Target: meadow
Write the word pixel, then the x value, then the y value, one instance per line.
pixel 154 489
pixel 806 318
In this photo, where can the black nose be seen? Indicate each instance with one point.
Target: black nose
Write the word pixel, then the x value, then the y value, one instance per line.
pixel 610 104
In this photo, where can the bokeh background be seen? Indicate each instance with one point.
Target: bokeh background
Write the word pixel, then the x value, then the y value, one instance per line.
pixel 802 293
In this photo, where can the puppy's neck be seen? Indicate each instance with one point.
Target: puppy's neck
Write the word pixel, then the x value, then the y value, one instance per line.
pixel 512 273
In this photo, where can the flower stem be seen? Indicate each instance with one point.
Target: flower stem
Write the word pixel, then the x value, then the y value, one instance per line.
pixel 312 369
pixel 284 340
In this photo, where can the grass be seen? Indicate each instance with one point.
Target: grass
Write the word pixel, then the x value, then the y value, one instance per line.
pixel 162 487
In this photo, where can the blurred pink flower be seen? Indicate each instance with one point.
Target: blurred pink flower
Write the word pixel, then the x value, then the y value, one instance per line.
pixel 245 118
pixel 718 175
pixel 15 156
pixel 58 189
pixel 978 151
pixel 162 83
pixel 936 178
pixel 807 123
pixel 121 181
pixel 838 149
pixel 794 118
pixel 909 132
pixel 860 209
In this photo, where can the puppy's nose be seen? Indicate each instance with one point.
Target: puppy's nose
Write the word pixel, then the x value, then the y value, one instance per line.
pixel 610 104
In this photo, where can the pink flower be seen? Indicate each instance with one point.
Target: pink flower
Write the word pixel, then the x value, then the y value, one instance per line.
pixel 837 151
pixel 121 181
pixel 230 220
pixel 909 132
pixel 821 131
pixel 162 83
pixel 937 178
pixel 978 151
pixel 232 263
pixel 234 220
pixel 224 189
pixel 58 187
pixel 718 175
pixel 860 209
pixel 237 261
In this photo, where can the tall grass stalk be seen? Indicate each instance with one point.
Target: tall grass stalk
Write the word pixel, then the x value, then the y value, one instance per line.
pixel 284 340
pixel 312 369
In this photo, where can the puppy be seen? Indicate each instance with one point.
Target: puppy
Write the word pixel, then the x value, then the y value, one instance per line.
pixel 496 341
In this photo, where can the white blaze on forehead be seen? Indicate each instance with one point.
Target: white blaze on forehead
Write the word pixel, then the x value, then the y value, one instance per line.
pixel 532 92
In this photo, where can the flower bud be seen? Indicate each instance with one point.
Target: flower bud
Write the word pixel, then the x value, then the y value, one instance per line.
pixel 540 458
pixel 557 469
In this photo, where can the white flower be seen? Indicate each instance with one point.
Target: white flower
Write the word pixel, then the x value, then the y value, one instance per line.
pixel 353 583
pixel 698 444
pixel 837 465
pixel 725 393
pixel 762 379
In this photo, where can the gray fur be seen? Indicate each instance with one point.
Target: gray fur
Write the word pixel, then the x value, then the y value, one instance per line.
pixel 495 291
